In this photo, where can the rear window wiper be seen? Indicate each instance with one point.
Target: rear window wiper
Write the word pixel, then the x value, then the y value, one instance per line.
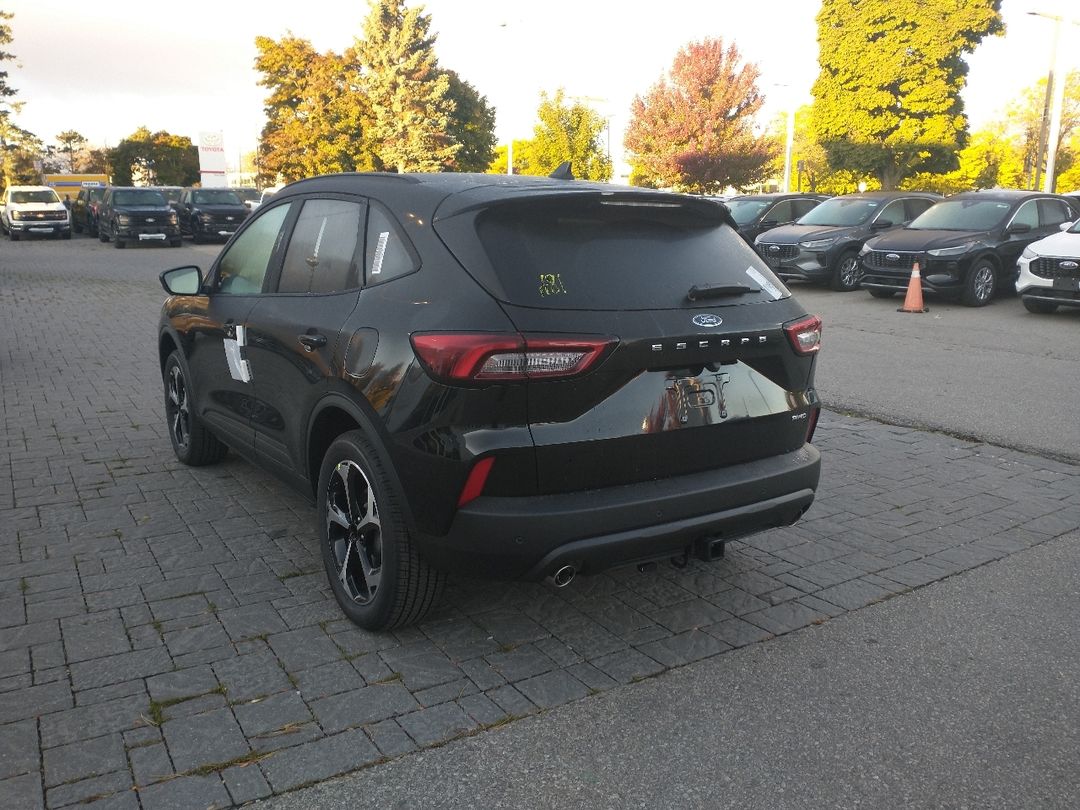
pixel 700 292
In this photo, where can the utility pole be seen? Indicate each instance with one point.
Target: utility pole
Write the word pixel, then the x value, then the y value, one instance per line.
pixel 1050 129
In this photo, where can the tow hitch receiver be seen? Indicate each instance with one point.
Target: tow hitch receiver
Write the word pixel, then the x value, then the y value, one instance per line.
pixel 709 548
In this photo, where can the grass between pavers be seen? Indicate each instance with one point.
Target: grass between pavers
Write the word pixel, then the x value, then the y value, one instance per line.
pixel 158 707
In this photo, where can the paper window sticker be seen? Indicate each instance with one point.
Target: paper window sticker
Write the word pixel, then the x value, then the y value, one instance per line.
pixel 380 253
pixel 764 283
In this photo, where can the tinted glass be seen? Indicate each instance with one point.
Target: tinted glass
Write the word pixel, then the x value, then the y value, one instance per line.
pixel 780 213
pixel 913 206
pixel 841 212
pixel 387 255
pixel 893 212
pixel 1027 215
pixel 246 193
pixel 963 215
pixel 804 207
pixel 215 196
pixel 42 196
pixel 322 255
pixel 1053 212
pixel 745 211
pixel 609 256
pixel 146 197
pixel 243 267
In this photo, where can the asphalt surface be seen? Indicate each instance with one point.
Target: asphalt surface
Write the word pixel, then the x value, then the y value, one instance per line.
pixel 996 373
pixel 963 694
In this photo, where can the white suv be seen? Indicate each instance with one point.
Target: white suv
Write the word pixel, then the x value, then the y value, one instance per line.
pixel 33 209
pixel 1050 271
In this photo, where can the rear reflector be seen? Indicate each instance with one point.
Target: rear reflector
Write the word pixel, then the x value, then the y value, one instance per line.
pixel 812 424
pixel 464 357
pixel 804 334
pixel 474 484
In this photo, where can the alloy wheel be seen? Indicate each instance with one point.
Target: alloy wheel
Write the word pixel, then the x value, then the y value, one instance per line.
pixel 984 282
pixel 178 408
pixel 354 532
pixel 849 273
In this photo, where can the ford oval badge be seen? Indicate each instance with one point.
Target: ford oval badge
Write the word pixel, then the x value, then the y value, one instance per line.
pixel 1068 265
pixel 892 257
pixel 708 321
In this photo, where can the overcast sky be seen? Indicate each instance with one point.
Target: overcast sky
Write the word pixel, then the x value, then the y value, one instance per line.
pixel 108 67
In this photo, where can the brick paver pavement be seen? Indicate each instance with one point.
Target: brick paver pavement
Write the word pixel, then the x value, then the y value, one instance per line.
pixel 167 637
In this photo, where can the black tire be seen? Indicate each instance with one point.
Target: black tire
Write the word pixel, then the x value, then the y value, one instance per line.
pixel 1039 307
pixel 879 293
pixel 193 444
pixel 67 234
pixel 845 272
pixel 370 532
pixel 14 237
pixel 78 228
pixel 91 227
pixel 175 243
pixel 101 235
pixel 119 243
pixel 196 233
pixel 980 284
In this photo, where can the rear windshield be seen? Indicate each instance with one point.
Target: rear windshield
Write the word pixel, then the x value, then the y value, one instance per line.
pixel 218 196
pixel 145 197
pixel 744 211
pixel 42 196
pixel 842 212
pixel 610 255
pixel 962 215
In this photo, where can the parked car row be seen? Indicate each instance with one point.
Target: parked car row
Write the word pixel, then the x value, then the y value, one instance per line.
pixel 970 246
pixel 125 214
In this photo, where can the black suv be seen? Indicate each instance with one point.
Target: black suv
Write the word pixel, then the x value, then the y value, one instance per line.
pixel 505 377
pixel 967 246
pixel 129 214
pixel 84 209
pixel 824 245
pixel 210 213
pixel 756 213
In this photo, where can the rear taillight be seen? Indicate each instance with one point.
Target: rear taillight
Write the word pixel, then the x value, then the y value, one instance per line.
pixel 804 334
pixel 465 357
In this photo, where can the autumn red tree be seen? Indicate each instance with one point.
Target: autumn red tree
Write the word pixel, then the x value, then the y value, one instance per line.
pixel 694 131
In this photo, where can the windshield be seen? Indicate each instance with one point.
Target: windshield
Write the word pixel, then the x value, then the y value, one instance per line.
pixel 171 193
pixel 147 197
pixel 96 194
pixel 246 193
pixel 842 212
pixel 46 195
pixel 962 215
pixel 746 211
pixel 216 196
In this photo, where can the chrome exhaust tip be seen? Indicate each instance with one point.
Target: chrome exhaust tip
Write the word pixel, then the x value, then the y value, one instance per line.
pixel 563 577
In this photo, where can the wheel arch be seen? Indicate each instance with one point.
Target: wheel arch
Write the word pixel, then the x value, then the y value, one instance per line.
pixel 166 345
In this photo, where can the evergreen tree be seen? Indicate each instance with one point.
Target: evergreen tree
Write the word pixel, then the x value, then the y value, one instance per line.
pixel 693 131
pixel 472 125
pixel 19 148
pixel 409 95
pixel 887 99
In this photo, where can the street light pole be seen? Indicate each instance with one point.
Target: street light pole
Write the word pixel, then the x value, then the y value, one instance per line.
pixel 1055 95
pixel 788 148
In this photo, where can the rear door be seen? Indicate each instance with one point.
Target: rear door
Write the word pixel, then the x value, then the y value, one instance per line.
pixel 702 376
pixel 294 332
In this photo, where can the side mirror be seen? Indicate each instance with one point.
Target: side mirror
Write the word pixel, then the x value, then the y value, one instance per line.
pixel 769 223
pixel 1018 227
pixel 185 280
pixel 881 224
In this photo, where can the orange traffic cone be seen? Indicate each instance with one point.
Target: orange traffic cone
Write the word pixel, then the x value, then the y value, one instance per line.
pixel 913 300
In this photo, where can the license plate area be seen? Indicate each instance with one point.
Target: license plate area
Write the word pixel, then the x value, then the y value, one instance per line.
pixel 1072 284
pixel 151 237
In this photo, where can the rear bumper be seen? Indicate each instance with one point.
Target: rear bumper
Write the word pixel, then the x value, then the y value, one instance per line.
pixel 530 537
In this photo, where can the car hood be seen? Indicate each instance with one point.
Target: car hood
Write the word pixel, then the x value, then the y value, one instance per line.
pixel 35 206
pixel 909 240
pixel 792 234
pixel 1059 245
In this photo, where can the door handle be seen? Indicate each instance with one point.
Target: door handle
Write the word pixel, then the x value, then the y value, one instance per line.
pixel 311 342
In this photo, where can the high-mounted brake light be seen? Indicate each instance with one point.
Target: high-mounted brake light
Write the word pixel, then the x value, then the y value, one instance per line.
pixel 464 357
pixel 804 334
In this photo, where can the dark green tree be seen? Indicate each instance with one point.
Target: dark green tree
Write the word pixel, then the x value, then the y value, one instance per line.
pixel 70 142
pixel 472 124
pixel 19 148
pixel 409 95
pixel 158 158
pixel 887 99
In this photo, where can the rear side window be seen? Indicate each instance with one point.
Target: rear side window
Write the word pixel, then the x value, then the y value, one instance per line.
pixel 389 254
pixel 590 254
pixel 322 255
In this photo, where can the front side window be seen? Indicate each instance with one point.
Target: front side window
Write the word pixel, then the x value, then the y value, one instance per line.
pixel 322 254
pixel 781 213
pixel 242 269
pixel 1027 215
pixel 893 213
pixel 746 211
pixel 914 207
